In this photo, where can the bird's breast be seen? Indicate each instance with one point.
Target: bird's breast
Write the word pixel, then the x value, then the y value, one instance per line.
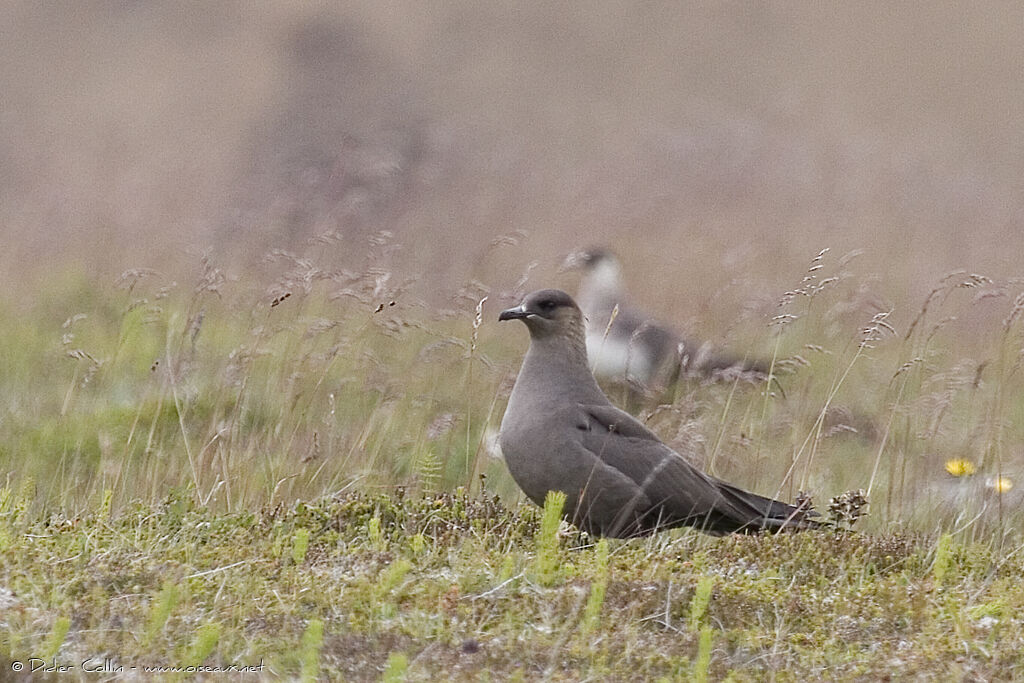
pixel 616 358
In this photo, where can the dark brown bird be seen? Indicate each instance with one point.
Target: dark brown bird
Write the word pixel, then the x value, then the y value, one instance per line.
pixel 561 433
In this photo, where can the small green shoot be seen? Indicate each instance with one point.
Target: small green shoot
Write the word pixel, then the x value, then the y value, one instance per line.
pixel 943 558
pixel 546 563
pixel 417 543
pixel 700 602
pixel 108 497
pixel 300 543
pixel 312 641
pixel 373 532
pixel 165 603
pixel 389 579
pixel 397 666
pixel 204 644
pixel 598 587
pixel 702 665
pixel 56 637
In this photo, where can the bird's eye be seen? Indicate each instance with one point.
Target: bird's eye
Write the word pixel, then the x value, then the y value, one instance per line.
pixel 547 305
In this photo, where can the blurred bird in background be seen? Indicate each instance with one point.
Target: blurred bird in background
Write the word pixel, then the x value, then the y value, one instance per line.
pixel 628 346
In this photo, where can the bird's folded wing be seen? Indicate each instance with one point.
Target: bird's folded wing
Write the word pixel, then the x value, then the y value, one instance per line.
pixel 623 443
pixel 612 419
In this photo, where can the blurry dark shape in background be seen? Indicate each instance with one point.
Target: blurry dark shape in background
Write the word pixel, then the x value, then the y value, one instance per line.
pixel 340 158
pixel 736 140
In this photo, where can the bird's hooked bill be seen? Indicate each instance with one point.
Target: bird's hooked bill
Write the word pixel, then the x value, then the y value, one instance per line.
pixel 517 313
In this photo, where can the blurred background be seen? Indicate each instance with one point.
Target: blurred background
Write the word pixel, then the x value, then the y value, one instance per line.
pixel 431 154
pixel 716 146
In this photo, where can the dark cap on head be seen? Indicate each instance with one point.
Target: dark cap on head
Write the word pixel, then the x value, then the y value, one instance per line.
pixel 548 312
pixel 544 303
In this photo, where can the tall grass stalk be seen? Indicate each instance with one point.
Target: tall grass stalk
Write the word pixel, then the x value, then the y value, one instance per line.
pixel 326 393
pixel 472 454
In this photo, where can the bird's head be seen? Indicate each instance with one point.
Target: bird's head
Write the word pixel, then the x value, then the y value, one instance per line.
pixel 602 272
pixel 589 260
pixel 548 312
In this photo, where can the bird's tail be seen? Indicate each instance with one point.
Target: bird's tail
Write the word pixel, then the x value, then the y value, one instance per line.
pixel 730 366
pixel 758 512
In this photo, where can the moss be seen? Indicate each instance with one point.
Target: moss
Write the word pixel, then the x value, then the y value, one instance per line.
pixel 766 611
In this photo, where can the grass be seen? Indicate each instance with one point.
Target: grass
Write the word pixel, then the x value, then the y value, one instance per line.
pixel 296 474
pixel 198 469
pixel 451 587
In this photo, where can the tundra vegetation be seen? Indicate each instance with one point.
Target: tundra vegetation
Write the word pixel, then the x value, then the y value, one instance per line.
pixel 299 473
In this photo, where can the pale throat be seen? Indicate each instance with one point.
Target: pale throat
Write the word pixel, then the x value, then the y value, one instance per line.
pixel 606 276
pixel 602 288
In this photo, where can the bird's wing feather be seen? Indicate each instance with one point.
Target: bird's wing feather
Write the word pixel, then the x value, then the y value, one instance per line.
pixel 773 509
pixel 626 445
pixel 619 421
pixel 623 443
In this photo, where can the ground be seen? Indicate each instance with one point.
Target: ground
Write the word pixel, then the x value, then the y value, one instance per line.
pixel 455 586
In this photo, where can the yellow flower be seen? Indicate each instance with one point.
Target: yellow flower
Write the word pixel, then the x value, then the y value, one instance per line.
pixel 999 484
pixel 959 467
